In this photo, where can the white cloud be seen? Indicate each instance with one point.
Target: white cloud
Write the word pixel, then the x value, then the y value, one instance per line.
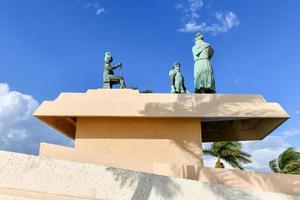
pixel 100 11
pixel 178 6
pixel 262 151
pixel 293 132
pixel 224 20
pixel 265 150
pixel 19 130
pixel 192 26
pixel 194 7
pixel 14 105
pixel 94 5
pixel 88 4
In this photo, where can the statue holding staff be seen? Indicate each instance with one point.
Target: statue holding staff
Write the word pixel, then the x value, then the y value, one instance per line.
pixel 204 80
pixel 109 78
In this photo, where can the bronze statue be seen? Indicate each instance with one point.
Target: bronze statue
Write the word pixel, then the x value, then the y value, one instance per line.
pixel 204 80
pixel 109 78
pixel 177 80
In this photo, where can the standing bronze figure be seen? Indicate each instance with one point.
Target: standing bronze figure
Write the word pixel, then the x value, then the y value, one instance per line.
pixel 177 80
pixel 204 80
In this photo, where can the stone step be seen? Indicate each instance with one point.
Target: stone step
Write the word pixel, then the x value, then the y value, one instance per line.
pixel 20 194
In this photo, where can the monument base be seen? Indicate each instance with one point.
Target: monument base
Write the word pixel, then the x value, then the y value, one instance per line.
pixel 164 146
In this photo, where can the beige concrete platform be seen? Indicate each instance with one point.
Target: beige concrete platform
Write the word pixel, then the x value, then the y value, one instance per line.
pixel 32 177
pixel 153 133
pixel 223 116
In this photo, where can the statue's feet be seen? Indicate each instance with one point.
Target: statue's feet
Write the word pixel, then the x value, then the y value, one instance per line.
pixel 106 86
pixel 122 84
pixel 204 91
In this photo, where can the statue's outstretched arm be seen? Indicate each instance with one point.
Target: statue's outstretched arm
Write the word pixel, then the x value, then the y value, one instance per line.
pixel 117 66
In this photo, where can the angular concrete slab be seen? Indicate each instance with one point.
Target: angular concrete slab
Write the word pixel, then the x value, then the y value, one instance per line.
pixel 223 116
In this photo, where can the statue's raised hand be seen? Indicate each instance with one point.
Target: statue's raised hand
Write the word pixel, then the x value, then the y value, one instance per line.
pixel 117 66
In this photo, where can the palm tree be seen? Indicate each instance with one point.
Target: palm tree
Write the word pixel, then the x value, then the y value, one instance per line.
pixel 231 152
pixel 288 162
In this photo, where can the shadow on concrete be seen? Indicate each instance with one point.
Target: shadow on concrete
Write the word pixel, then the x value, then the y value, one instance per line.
pixel 287 184
pixel 149 186
pixel 210 105
pixel 223 116
pixel 268 182
pixel 206 104
pixel 146 184
pixel 229 193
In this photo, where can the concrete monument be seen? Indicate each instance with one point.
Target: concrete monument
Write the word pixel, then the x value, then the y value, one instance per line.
pixel 130 130
pixel 134 137
pixel 153 141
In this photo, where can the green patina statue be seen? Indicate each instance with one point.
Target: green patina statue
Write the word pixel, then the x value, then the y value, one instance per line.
pixel 204 80
pixel 177 80
pixel 109 78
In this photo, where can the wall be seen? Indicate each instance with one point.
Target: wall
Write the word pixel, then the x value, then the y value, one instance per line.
pixel 86 181
pixel 161 140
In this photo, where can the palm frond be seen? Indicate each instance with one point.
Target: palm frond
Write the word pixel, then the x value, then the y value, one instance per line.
pixel 233 162
pixel 244 154
pixel 274 166
pixel 295 172
pixel 229 151
pixel 243 159
pixel 209 152
pixel 287 156
pixel 292 167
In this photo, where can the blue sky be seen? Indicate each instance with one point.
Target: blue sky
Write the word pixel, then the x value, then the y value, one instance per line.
pixel 49 47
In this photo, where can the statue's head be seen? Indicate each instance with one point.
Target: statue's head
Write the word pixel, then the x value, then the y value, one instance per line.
pixel 176 66
pixel 199 36
pixel 108 57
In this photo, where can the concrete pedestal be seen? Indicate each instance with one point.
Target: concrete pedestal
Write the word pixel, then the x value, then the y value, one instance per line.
pixel 165 146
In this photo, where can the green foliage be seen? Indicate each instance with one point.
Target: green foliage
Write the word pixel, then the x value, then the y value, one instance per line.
pixel 143 91
pixel 288 162
pixel 231 152
pixel 146 91
pixel 133 88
